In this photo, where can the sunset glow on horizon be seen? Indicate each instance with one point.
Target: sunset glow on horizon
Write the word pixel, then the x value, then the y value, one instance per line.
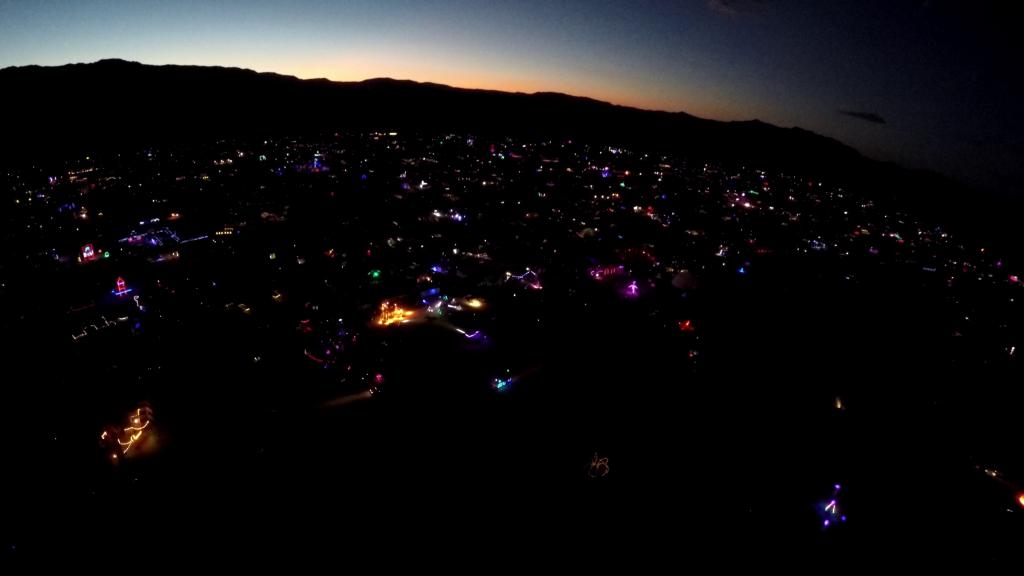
pixel 789 64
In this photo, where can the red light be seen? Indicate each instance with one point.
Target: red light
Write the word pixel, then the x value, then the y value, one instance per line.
pixel 379 378
pixel 1020 500
pixel 120 284
pixel 686 326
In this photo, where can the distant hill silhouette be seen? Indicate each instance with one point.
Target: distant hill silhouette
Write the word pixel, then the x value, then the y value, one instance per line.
pixel 116 104
pixel 127 103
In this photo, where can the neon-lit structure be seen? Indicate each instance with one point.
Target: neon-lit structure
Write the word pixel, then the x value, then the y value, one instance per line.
pixel 88 253
pixel 599 272
pixel 528 278
pixel 120 288
pixel 390 313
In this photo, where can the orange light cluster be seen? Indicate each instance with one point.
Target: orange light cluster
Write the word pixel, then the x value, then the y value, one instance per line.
pixel 391 313
pixel 134 432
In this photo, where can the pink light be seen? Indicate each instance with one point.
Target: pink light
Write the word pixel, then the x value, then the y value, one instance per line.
pixel 633 288
pixel 378 378
pixel 121 289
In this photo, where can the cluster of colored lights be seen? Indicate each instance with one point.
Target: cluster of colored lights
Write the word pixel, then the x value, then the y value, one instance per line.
pixel 528 278
pixel 599 272
pixel 831 510
pixel 501 383
pixel 391 313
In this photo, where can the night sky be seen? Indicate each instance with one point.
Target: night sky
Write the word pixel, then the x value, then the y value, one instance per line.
pixel 925 83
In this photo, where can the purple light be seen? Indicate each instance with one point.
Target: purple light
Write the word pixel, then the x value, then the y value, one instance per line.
pixel 827 523
pixel 837 486
pixel 842 518
pixel 633 288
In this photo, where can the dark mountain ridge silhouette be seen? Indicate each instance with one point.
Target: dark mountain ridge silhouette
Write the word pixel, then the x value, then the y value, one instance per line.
pixel 120 105
pixel 115 102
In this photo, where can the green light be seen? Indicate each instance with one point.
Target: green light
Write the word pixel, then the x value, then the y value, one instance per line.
pixel 106 254
pixel 375 274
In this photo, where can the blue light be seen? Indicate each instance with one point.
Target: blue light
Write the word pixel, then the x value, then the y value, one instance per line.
pixel 742 270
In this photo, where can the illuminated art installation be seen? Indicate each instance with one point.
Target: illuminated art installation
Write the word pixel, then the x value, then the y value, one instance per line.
pixel 120 288
pixel 598 467
pixel 129 435
pixel 391 313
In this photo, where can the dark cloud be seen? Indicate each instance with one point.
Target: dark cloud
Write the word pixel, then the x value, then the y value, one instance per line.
pixel 865 116
pixel 735 7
